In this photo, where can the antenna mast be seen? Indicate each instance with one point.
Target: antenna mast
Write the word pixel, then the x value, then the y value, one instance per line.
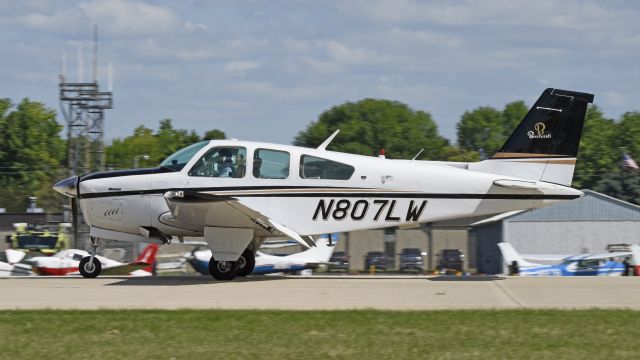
pixel 83 104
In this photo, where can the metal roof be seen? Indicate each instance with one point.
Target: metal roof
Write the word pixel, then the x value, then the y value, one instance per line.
pixel 593 206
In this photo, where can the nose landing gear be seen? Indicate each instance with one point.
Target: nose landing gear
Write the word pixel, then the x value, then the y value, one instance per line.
pixel 90 266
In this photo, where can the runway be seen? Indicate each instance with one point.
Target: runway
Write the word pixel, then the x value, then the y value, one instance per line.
pixel 320 292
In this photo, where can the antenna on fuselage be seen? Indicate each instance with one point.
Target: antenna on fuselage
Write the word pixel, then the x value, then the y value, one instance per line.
pixel 418 154
pixel 326 143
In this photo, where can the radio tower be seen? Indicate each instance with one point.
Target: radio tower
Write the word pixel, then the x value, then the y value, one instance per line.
pixel 83 104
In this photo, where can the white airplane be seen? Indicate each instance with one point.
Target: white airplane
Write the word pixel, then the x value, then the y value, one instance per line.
pixel 236 194
pixel 10 265
pixel 268 264
pixel 67 262
pixel 574 265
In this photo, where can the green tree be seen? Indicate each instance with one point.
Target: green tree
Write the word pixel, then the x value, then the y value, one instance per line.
pixel 629 133
pixel 214 134
pixel 369 125
pixel 599 153
pixel 624 185
pixel 485 129
pixel 31 154
pixel 122 153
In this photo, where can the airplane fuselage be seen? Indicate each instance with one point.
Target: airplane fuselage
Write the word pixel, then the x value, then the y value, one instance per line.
pixel 378 193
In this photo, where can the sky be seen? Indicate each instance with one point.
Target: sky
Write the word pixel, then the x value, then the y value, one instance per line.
pixel 264 70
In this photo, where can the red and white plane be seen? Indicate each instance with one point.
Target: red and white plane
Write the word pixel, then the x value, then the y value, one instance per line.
pixel 67 262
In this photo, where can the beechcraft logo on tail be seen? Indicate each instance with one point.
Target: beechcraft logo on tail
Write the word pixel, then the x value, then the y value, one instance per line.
pixel 539 132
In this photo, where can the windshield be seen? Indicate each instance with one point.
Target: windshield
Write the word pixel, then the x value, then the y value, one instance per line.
pixel 32 241
pixel 181 157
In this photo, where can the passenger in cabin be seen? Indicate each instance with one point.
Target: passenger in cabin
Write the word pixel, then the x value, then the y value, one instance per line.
pixel 241 166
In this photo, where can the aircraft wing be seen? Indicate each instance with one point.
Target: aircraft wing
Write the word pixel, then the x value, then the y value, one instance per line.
pixel 124 269
pixel 255 217
pixel 545 257
pixel 607 255
pixel 267 223
pixel 598 256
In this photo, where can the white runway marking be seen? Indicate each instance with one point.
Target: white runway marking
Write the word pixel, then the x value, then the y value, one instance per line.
pixel 319 292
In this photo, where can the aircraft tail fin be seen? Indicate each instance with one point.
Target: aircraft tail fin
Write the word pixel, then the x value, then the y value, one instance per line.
pixel 321 253
pixel 635 254
pixel 148 256
pixel 544 146
pixel 509 254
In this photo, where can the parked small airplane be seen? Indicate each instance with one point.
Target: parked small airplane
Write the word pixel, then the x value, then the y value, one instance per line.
pixel 268 264
pixel 67 262
pixel 10 264
pixel 236 194
pixel 576 265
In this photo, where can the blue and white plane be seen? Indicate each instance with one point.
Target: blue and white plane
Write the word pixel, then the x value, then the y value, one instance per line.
pixel 576 265
pixel 269 264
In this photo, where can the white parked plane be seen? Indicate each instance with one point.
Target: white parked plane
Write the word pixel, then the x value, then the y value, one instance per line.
pixel 269 264
pixel 10 264
pixel 67 262
pixel 573 265
pixel 238 193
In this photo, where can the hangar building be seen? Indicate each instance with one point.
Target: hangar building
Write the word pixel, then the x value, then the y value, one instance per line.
pixel 585 225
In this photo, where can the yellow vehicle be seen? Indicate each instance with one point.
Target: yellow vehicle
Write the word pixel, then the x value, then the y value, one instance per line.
pixel 47 239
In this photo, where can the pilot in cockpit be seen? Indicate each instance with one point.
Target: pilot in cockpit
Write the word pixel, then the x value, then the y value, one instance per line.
pixel 226 166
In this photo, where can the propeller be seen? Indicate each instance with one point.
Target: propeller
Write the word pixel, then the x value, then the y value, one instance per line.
pixel 70 188
pixel 74 220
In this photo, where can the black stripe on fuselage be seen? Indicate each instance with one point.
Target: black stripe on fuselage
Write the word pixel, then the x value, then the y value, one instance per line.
pixel 128 172
pixel 333 194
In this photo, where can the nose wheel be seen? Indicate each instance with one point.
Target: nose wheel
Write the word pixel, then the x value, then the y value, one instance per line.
pixel 90 266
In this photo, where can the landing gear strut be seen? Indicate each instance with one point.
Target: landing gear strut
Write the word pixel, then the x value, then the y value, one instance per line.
pixel 90 266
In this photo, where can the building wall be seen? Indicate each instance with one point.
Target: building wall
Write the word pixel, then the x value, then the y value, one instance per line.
pixel 361 242
pixel 488 258
pixel 358 243
pixel 570 237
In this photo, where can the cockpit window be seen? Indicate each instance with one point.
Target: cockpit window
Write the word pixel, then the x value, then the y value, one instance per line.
pixel 228 162
pixel 180 158
pixel 312 167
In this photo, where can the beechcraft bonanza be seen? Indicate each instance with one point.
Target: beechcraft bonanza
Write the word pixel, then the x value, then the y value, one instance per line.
pixel 236 194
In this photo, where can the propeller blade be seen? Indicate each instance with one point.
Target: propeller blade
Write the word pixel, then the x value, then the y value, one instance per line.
pixel 74 220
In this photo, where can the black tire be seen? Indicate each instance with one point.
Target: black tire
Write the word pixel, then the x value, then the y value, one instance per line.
pixel 223 270
pixel 246 263
pixel 86 268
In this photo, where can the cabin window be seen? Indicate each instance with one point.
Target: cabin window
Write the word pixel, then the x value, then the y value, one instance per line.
pixel 270 164
pixel 221 162
pixel 312 167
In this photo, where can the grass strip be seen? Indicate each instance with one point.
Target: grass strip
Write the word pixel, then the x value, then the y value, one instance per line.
pixel 362 334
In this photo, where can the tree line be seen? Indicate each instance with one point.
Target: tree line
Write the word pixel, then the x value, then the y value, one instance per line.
pixel 33 154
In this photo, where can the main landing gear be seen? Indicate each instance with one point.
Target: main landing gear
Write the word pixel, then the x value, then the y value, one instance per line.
pixel 90 266
pixel 228 270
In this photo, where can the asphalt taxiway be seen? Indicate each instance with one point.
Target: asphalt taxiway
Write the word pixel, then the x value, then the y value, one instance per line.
pixel 320 292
